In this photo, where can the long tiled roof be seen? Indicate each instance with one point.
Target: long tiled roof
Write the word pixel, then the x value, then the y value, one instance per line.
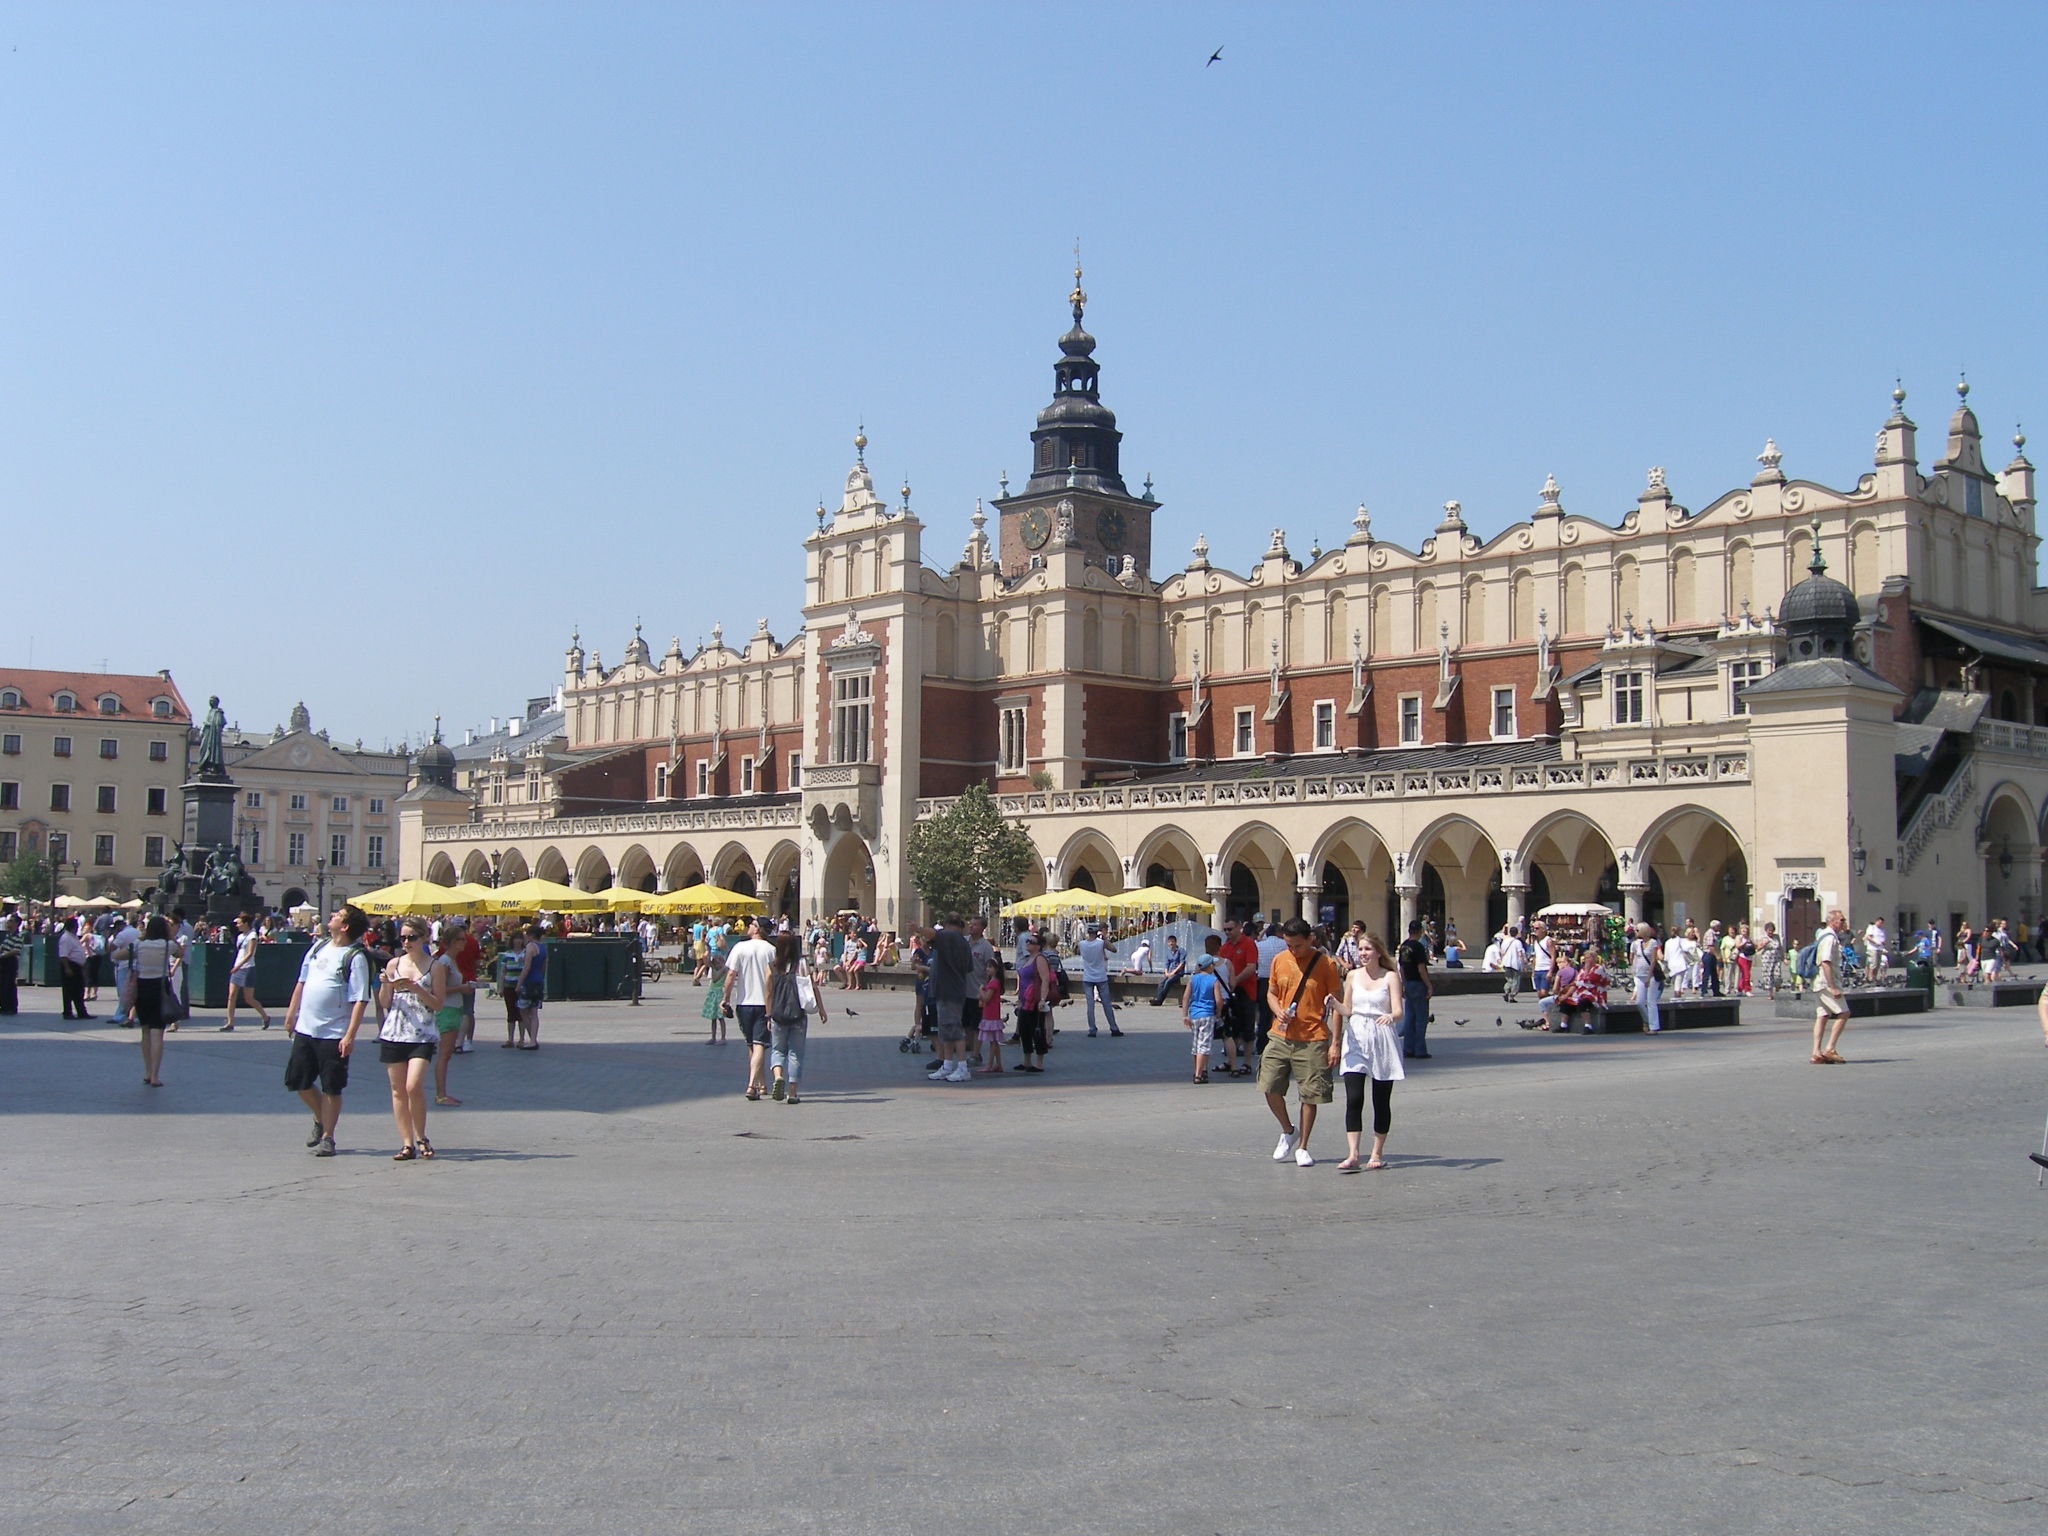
pixel 39 692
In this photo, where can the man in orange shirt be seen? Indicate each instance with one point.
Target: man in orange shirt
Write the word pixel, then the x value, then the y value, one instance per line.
pixel 1242 1011
pixel 1302 1048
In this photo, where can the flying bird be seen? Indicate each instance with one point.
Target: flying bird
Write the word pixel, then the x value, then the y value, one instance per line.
pixel 1214 57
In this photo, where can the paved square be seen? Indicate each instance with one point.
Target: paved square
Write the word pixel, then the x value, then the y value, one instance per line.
pixel 1609 1285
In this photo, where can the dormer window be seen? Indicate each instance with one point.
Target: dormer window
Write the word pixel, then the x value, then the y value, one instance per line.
pixel 67 703
pixel 109 704
pixel 161 708
pixel 9 699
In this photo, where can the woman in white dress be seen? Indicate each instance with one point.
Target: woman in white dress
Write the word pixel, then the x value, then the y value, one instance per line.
pixel 1371 1051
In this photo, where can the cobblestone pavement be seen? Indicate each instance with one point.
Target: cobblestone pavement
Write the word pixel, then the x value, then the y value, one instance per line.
pixel 1621 1285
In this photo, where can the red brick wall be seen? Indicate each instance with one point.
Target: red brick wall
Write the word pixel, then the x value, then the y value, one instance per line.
pixel 957 728
pixel 1895 644
pixel 1122 725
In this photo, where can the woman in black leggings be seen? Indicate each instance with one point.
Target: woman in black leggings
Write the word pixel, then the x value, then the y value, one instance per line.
pixel 1372 1053
pixel 1034 995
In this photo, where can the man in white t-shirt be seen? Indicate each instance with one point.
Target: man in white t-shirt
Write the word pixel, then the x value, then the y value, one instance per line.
pixel 336 982
pixel 1514 959
pixel 746 994
pixel 1833 1009
pixel 1095 978
pixel 1140 963
pixel 1271 947
pixel 121 950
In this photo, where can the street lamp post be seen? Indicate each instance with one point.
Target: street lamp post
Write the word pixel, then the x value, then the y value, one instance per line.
pixel 320 886
pixel 494 870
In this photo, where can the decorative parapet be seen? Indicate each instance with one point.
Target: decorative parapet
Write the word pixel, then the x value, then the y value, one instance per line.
pixel 1380 784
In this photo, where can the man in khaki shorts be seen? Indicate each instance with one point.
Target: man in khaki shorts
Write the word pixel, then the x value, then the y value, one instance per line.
pixel 1827 988
pixel 1302 993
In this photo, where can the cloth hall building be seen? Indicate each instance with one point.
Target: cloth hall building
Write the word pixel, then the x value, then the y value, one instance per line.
pixel 1793 697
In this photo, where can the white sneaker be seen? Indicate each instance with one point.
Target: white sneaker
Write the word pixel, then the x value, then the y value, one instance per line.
pixel 1286 1148
pixel 960 1073
pixel 1303 1158
pixel 940 1073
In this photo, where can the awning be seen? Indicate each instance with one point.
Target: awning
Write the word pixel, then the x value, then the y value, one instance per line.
pixel 1990 642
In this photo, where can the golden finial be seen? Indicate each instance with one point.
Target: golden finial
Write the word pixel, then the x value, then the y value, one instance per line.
pixel 1077 298
pixel 860 444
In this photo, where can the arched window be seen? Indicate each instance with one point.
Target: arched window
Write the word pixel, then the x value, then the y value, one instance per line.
pixel 1472 629
pixel 161 708
pixel 1571 608
pixel 1298 637
pixel 109 704
pixel 1628 589
pixel 1522 605
pixel 1741 577
pixel 1425 618
pixel 1337 629
pixel 1177 634
pixel 1684 587
pixel 1798 556
pixel 9 699
pixel 1864 576
pixel 1379 636
pixel 66 703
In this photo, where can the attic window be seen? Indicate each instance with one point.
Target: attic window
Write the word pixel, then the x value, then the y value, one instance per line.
pixel 161 708
pixel 66 703
pixel 10 699
pixel 109 704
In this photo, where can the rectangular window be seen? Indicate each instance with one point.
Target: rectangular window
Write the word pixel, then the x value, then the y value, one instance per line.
pixel 60 848
pixel 853 700
pixel 1177 736
pixel 110 747
pixel 497 791
pixel 376 806
pixel 1628 698
pixel 10 796
pixel 60 797
pixel 1010 739
pixel 109 800
pixel 298 802
pixel 10 744
pixel 159 751
pixel 746 775
pixel 153 852
pixel 1740 675
pixel 60 746
pixel 103 849
pixel 253 800
pixel 1411 719
pixel 373 851
pixel 796 770
pixel 255 845
pixel 661 781
pixel 1326 725
pixel 338 805
pixel 10 847
pixel 295 848
pixel 155 800
pixel 1504 714
pixel 1243 740
pixel 337 851
pixel 703 776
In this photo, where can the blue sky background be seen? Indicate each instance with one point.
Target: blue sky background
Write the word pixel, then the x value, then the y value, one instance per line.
pixel 419 333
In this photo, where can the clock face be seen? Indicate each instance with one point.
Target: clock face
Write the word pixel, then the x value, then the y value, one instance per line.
pixel 1109 528
pixel 1036 527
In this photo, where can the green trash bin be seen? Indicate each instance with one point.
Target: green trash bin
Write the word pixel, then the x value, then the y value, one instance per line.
pixel 1919 973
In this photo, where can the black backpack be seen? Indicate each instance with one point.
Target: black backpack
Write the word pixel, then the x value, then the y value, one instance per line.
pixel 785 1004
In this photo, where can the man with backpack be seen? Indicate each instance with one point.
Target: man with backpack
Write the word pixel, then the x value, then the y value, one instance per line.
pixel 336 983
pixel 1833 1009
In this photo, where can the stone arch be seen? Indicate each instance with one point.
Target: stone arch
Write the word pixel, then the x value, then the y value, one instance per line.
pixel 1628 588
pixel 513 867
pixel 636 869
pixel 682 867
pixel 476 869
pixel 1472 623
pixel 733 869
pixel 1089 861
pixel 1337 627
pixel 782 879
pixel 1697 861
pixel 1257 868
pixel 1741 577
pixel 1170 858
pixel 441 870
pixel 848 879
pixel 1425 617
pixel 1522 606
pixel 1356 871
pixel 1379 631
pixel 2006 838
pixel 1571 601
pixel 1567 857
pixel 593 870
pixel 1864 575
pixel 1299 647
pixel 1457 864
pixel 1685 587
pixel 1798 555
pixel 551 866
pixel 1177 633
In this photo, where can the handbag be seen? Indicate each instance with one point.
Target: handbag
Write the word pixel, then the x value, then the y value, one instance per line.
pixel 173 1008
pixel 806 993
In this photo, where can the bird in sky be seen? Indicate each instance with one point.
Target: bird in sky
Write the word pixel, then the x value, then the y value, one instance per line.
pixel 1214 57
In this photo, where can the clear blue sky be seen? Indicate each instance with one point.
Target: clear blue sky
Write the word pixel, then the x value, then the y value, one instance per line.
pixel 419 333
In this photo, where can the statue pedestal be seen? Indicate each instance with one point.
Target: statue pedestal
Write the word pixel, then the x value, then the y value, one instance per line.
pixel 209 814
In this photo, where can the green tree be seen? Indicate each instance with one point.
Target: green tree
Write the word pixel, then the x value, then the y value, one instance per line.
pixel 28 876
pixel 968 858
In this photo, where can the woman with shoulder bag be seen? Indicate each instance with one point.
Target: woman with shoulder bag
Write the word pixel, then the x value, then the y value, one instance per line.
pixel 793 996
pixel 413 991
pixel 152 994
pixel 1646 969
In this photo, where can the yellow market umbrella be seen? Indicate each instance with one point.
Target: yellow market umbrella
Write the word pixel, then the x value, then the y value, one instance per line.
pixel 478 896
pixel 1158 898
pixel 623 898
pixel 413 898
pixel 705 899
pixel 543 896
pixel 1053 903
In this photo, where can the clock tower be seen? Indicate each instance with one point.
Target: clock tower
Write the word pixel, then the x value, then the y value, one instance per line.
pixel 1075 498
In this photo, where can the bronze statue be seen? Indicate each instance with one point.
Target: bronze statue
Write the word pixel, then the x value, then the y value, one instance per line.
pixel 212 752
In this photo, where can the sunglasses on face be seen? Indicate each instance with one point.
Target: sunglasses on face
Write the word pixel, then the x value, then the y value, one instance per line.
pixel 413 938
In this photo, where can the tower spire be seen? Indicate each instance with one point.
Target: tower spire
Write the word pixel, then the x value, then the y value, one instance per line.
pixel 1077 298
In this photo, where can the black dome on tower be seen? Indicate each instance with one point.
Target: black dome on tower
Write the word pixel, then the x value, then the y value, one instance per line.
pixel 1076 443
pixel 1819 616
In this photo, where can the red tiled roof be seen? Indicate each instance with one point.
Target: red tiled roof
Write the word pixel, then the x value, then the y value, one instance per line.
pixel 39 692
